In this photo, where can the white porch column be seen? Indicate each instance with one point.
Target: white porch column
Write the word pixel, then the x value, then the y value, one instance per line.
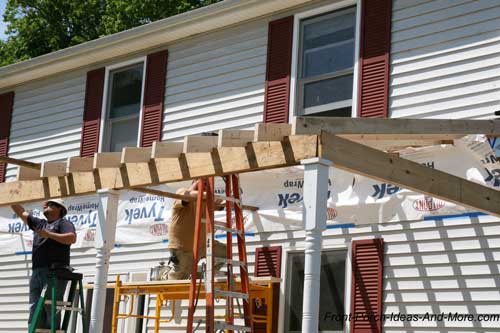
pixel 315 204
pixel 104 242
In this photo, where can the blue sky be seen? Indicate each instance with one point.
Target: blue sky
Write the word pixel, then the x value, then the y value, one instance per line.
pixel 2 24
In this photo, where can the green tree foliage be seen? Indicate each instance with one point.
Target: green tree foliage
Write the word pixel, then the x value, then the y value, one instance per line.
pixel 37 27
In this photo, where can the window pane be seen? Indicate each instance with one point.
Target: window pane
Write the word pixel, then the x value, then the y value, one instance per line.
pixel 126 87
pixel 328 91
pixel 328 43
pixel 124 134
pixel 332 281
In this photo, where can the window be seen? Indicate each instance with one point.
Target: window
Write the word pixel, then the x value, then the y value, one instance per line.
pixel 123 108
pixel 326 64
pixel 331 307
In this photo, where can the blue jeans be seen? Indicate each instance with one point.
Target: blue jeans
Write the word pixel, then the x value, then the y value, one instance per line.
pixel 39 278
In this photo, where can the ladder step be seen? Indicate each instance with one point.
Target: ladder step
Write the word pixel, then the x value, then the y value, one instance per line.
pixel 230 262
pixel 233 294
pixel 226 229
pixel 225 326
pixel 47 330
pixel 58 302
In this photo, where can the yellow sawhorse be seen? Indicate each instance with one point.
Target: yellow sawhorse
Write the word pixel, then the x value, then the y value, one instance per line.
pixel 261 290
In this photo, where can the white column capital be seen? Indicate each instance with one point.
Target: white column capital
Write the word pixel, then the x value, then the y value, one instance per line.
pixel 316 160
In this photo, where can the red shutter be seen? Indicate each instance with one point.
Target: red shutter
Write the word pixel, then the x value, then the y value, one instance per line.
pixel 374 64
pixel 92 112
pixel 6 105
pixel 268 263
pixel 279 63
pixel 367 274
pixel 154 95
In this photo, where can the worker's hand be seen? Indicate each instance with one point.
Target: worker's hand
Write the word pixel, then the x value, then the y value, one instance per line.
pixel 44 233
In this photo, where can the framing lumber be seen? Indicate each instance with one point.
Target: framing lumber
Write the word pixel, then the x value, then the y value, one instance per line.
pixel 234 138
pixel 80 164
pixel 53 169
pixel 22 163
pixel 221 161
pixel 182 197
pixel 272 132
pixel 107 160
pixel 24 173
pixel 199 144
pixel 375 164
pixel 135 155
pixel 395 128
pixel 167 149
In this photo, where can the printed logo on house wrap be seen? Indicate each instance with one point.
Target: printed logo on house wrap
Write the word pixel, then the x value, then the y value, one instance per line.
pixel 428 204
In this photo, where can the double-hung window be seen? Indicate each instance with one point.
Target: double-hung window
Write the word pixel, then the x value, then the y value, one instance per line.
pixel 325 70
pixel 123 110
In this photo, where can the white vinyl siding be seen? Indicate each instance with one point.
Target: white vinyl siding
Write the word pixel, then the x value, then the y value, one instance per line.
pixel 445 59
pixel 47 119
pixel 216 81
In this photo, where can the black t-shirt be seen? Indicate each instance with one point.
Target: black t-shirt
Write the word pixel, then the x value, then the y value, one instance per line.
pixel 48 251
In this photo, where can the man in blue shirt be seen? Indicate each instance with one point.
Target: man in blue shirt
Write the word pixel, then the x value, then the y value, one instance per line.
pixel 51 248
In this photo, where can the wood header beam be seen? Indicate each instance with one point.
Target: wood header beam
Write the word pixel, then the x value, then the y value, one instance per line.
pixel 396 128
pixel 372 163
pixel 221 161
pixel 22 163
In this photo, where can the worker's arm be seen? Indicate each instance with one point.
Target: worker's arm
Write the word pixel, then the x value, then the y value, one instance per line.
pixel 67 238
pixel 19 210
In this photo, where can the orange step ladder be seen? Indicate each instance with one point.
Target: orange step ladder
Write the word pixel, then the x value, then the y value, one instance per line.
pixel 206 202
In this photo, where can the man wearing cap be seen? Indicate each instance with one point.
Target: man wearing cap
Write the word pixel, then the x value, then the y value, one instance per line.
pixel 51 246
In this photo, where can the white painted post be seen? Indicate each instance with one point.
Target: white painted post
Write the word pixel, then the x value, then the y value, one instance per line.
pixel 315 204
pixel 104 242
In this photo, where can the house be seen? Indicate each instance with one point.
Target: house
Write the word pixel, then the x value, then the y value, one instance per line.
pixel 237 63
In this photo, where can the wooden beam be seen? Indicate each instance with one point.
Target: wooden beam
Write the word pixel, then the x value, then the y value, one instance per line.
pixel 24 173
pixel 19 162
pixel 135 155
pixel 221 161
pixel 167 149
pixel 372 163
pixel 396 128
pixel 182 197
pixel 107 160
pixel 199 144
pixel 272 132
pixel 53 169
pixel 234 138
pixel 80 164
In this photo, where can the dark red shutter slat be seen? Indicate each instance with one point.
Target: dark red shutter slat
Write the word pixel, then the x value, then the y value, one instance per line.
pixel 279 63
pixel 6 106
pixel 154 95
pixel 366 292
pixel 94 90
pixel 268 263
pixel 374 63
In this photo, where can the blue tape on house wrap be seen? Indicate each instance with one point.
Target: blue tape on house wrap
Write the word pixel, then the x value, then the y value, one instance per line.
pixel 22 253
pixel 441 217
pixel 341 226
pixel 248 234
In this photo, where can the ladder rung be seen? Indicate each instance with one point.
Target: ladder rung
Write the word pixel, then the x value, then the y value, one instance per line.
pixel 230 262
pixel 47 330
pixel 58 302
pixel 230 327
pixel 232 294
pixel 226 229
pixel 230 199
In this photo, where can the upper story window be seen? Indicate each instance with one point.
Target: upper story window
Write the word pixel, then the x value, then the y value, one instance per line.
pixel 123 108
pixel 326 64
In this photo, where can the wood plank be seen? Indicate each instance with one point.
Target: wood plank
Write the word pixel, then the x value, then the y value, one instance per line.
pixel 256 156
pixel 199 144
pixel 135 155
pixel 80 164
pixel 235 138
pixel 272 132
pixel 167 149
pixel 420 128
pixel 182 197
pixel 19 162
pixel 24 173
pixel 107 160
pixel 53 169
pixel 372 163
